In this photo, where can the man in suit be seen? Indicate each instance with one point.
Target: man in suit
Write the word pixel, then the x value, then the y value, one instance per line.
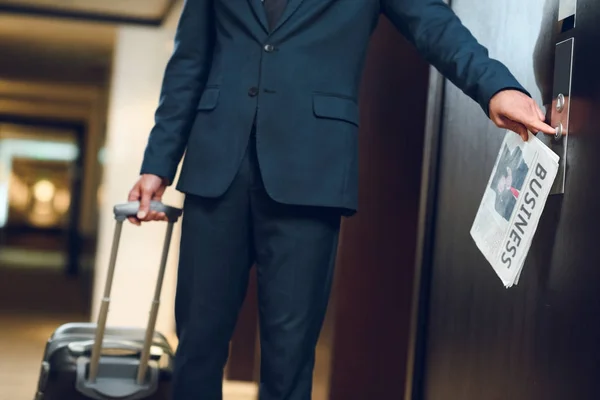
pixel 262 96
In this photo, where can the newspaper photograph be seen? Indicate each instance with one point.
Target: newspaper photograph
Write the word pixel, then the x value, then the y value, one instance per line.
pixel 512 204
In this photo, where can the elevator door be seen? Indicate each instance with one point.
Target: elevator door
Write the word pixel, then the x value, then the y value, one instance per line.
pixel 540 339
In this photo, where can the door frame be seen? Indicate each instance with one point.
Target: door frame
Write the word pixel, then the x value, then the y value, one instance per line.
pixel 425 237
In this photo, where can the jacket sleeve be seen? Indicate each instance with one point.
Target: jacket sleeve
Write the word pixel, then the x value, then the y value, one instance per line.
pixel 184 80
pixel 442 39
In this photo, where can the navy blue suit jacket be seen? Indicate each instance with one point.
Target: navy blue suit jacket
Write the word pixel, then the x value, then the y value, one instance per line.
pixel 299 82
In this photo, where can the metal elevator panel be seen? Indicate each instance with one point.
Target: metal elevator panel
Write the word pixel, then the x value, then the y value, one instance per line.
pixel 567 9
pixel 561 105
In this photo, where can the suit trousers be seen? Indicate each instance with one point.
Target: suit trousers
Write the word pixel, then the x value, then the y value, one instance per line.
pixel 293 248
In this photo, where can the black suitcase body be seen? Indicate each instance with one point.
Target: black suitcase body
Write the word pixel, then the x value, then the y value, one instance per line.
pixel 67 354
pixel 91 361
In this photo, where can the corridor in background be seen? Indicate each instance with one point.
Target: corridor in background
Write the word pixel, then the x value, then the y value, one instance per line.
pixel 52 84
pixel 40 196
pixel 55 81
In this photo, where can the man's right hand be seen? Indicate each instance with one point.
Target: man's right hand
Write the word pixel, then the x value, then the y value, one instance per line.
pixel 148 187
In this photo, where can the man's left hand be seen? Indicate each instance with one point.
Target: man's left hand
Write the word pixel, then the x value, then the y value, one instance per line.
pixel 514 110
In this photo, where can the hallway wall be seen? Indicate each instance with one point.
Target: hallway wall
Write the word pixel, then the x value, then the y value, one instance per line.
pixel 377 251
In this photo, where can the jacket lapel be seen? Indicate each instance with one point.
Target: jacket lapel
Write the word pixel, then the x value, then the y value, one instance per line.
pixel 259 11
pixel 291 7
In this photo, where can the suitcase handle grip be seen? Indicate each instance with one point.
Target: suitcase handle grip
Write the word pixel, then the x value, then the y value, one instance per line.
pixel 130 209
pixel 85 348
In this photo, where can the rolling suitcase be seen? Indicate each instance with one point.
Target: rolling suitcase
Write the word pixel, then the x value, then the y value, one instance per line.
pixel 92 361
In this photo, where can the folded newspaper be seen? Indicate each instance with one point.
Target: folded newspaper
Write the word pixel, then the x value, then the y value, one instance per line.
pixel 513 203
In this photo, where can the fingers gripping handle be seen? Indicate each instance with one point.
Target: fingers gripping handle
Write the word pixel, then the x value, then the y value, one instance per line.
pixel 125 210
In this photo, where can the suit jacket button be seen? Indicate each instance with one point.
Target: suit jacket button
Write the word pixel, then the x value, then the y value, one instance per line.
pixel 269 48
pixel 253 91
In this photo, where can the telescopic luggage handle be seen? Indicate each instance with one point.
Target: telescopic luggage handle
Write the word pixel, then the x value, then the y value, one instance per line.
pixel 121 213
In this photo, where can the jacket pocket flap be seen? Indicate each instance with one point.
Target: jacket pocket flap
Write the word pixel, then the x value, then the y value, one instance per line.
pixel 335 107
pixel 209 99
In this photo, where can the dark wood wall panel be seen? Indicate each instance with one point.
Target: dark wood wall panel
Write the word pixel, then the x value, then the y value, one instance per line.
pixel 242 363
pixel 376 258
